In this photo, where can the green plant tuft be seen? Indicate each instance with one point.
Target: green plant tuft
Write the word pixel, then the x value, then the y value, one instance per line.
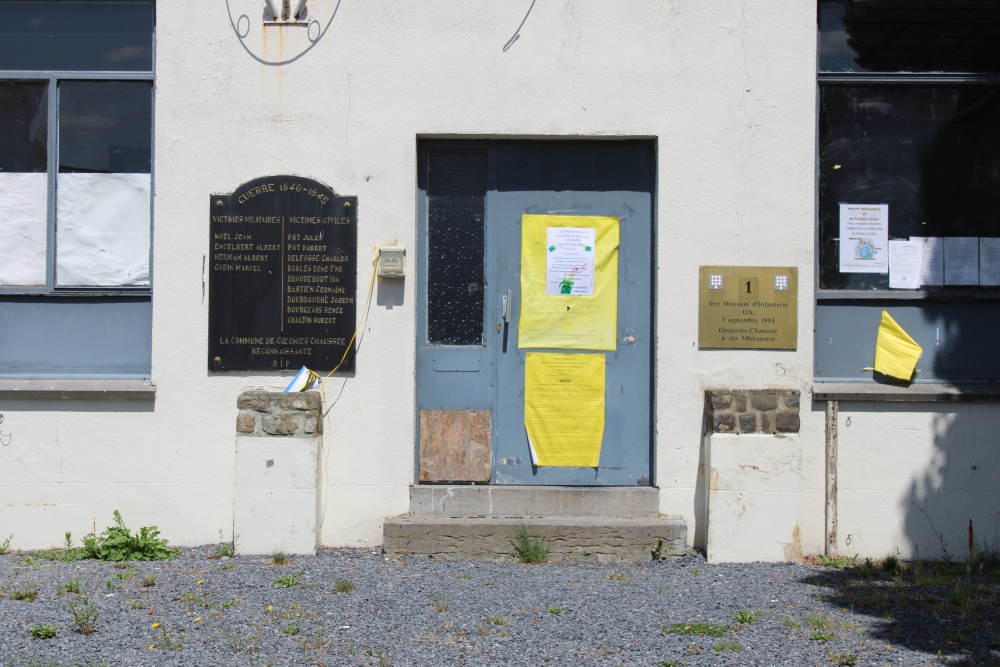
pixel 727 646
pixel 45 631
pixel 441 602
pixel 27 594
pixel 5 545
pixel 83 615
pixel 343 585
pixel 72 586
pixel 748 616
pixel 279 558
pixel 117 543
pixel 530 549
pixel 289 580
pixel 706 629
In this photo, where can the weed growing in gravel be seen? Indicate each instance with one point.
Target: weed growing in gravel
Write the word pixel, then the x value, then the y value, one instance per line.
pixel 694 649
pixel 705 629
pixel 891 564
pixel 669 663
pixel 556 610
pixel 727 646
pixel 658 552
pixel 343 585
pixel 227 548
pixel 27 594
pixel 5 545
pixel 964 598
pixel 117 543
pixel 618 577
pixel 844 659
pixel 839 562
pixel 316 640
pixel 789 622
pixel 442 603
pixel 82 615
pixel 149 580
pixel 279 558
pixel 230 603
pixel 530 549
pixel 498 620
pixel 109 586
pixel 45 631
pixel 72 586
pixel 820 636
pixel 289 580
pixel 748 616
pixel 167 641
pixel 137 605
pixel 819 621
pixel 291 630
pixel 239 639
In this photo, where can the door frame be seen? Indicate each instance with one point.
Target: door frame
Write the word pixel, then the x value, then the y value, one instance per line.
pixel 491 299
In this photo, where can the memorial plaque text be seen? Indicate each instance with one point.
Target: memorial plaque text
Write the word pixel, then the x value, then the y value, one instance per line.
pixel 748 307
pixel 282 276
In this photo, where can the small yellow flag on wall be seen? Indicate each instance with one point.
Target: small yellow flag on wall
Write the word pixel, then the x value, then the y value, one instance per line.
pixel 896 353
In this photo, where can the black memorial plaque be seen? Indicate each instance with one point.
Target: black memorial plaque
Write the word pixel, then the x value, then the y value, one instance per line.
pixel 283 276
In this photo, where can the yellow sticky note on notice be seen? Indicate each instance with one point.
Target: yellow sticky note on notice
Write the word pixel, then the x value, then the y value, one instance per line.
pixel 896 353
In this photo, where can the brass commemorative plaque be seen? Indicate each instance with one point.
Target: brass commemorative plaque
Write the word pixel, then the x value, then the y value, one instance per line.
pixel 748 307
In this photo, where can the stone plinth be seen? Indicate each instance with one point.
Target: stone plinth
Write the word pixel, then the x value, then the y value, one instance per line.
pixel 275 499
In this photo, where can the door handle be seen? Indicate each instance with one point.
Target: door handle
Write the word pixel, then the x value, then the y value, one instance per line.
pixel 508 302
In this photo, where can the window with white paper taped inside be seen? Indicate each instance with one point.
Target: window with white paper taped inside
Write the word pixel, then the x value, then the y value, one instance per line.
pixel 23 182
pixel 76 105
pixel 103 186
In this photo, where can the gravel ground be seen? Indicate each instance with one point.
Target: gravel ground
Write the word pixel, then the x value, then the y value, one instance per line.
pixel 201 610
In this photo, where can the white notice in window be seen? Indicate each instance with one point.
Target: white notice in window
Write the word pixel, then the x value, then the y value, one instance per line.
pixel 961 260
pixel 102 230
pixel 904 264
pixel 864 238
pixel 569 265
pixel 23 228
pixel 989 262
pixel 931 259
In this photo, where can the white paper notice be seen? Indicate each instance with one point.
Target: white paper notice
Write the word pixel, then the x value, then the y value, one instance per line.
pixel 102 229
pixel 961 260
pixel 989 262
pixel 931 259
pixel 23 228
pixel 904 264
pixel 864 238
pixel 569 261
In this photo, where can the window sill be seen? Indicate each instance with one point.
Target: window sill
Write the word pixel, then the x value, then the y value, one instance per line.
pixel 141 390
pixel 926 393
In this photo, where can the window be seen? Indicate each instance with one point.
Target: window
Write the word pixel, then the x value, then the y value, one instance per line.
pixel 76 98
pixel 909 126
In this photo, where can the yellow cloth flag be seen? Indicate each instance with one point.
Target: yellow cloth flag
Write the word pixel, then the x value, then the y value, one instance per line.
pixel 896 353
pixel 569 282
pixel 564 408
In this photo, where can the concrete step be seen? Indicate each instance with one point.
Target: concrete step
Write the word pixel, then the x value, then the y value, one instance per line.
pixel 533 501
pixel 602 539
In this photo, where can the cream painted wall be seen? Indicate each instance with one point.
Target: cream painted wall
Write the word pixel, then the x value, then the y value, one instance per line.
pixel 726 88
pixel 913 475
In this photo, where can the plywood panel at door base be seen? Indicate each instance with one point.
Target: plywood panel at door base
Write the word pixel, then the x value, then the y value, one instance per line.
pixel 455 445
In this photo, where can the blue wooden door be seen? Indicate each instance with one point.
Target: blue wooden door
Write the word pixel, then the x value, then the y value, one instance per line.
pixel 467 354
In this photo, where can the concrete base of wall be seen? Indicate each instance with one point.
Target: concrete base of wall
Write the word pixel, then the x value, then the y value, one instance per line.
pixel 534 501
pixel 568 538
pixel 602 524
pixel 754 486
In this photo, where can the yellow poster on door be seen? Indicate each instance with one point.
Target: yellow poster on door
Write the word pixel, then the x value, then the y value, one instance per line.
pixel 564 408
pixel 569 282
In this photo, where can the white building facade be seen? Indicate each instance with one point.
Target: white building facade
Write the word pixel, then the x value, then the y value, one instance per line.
pixel 723 97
